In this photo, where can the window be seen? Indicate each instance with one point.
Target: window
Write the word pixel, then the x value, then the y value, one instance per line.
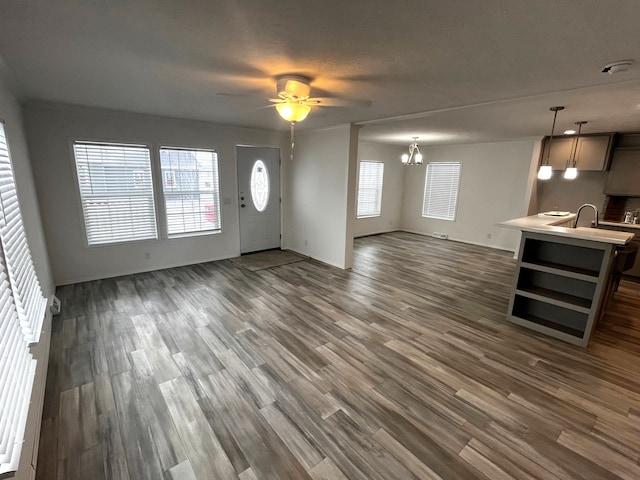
pixel 441 190
pixel 259 185
pixel 22 309
pixel 116 192
pixel 191 190
pixel 370 189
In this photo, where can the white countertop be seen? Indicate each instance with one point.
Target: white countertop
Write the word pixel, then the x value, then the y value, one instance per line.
pixel 546 224
pixel 631 226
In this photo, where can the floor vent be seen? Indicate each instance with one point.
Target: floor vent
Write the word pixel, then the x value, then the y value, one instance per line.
pixel 440 235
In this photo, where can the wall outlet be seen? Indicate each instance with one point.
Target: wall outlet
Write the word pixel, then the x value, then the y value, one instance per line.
pixel 488 235
pixel 147 255
pixel 305 243
pixel 55 305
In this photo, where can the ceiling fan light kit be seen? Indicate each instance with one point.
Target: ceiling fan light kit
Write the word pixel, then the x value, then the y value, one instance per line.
pixel 293 112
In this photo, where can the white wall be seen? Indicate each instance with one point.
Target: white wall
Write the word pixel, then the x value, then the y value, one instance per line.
pixel 320 210
pixel 52 129
pixel 392 188
pixel 494 185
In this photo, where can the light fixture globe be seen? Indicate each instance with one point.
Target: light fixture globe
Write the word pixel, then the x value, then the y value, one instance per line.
pixel 293 112
pixel 570 173
pixel 545 172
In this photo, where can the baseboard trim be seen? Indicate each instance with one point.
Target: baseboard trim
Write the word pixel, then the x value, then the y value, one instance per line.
pixel 133 271
pixel 453 239
pixel 376 233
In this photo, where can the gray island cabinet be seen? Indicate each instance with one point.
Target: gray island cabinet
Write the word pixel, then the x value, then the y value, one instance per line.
pixel 562 278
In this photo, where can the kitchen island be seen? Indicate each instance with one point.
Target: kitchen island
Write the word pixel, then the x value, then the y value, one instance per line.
pixel 563 275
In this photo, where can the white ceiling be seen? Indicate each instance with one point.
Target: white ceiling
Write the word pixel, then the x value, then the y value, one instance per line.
pixel 454 71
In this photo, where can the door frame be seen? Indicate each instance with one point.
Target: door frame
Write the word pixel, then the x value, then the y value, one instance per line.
pixel 235 168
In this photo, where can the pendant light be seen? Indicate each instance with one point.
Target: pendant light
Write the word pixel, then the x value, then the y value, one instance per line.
pixel 571 171
pixel 545 170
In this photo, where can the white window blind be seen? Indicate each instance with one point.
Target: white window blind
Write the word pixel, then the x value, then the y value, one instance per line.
pixel 370 188
pixel 191 190
pixel 27 295
pixel 441 190
pixel 21 314
pixel 116 191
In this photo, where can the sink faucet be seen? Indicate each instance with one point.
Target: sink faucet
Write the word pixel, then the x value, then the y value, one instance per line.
pixel 595 212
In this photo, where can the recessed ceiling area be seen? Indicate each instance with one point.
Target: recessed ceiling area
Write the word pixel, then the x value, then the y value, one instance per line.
pixel 482 73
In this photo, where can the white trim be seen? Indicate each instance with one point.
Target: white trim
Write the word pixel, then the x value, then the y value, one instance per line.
pixel 459 240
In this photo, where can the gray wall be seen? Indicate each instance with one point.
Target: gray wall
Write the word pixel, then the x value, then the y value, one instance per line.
pixel 392 188
pixel 320 209
pixel 495 184
pixel 52 130
pixel 560 194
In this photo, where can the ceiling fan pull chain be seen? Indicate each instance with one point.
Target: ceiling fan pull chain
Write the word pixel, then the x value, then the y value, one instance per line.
pixel 292 138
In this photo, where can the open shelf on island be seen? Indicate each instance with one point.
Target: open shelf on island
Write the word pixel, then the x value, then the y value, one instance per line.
pixel 563 257
pixel 564 270
pixel 550 316
pixel 571 293
pixel 560 284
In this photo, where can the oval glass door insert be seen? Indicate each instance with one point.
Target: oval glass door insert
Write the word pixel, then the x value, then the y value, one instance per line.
pixel 260 185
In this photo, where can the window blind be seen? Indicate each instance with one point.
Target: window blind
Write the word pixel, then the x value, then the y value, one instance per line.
pixel 116 190
pixel 370 189
pixel 191 188
pixel 441 190
pixel 21 315
pixel 27 295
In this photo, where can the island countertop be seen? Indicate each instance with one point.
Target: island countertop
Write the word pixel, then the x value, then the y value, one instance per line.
pixel 549 224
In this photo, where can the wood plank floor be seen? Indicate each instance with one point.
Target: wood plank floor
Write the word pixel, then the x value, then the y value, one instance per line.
pixel 403 368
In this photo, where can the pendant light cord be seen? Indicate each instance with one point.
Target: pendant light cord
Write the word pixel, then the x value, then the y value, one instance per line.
pixel 575 150
pixel 553 126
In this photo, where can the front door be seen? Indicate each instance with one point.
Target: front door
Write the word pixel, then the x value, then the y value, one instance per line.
pixel 259 198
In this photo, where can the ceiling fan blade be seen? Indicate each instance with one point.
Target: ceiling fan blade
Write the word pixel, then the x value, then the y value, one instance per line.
pixel 339 102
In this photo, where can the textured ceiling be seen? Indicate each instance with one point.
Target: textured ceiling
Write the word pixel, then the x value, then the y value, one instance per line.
pixel 482 71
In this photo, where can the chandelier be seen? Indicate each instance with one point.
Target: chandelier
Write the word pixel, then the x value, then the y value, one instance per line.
pixel 414 157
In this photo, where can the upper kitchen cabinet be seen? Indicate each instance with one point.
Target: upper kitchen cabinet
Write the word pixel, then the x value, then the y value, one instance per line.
pixel 593 152
pixel 624 176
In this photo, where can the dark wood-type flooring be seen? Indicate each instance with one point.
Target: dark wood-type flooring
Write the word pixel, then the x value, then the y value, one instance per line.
pixel 404 368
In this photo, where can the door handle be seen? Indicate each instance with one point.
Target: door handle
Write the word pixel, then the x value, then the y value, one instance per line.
pixel 242 205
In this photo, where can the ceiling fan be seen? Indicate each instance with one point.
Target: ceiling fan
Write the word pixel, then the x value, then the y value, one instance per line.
pixel 294 101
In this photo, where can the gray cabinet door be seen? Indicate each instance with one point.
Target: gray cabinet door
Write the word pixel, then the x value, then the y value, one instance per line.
pixel 624 174
pixel 592 152
pixel 561 148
